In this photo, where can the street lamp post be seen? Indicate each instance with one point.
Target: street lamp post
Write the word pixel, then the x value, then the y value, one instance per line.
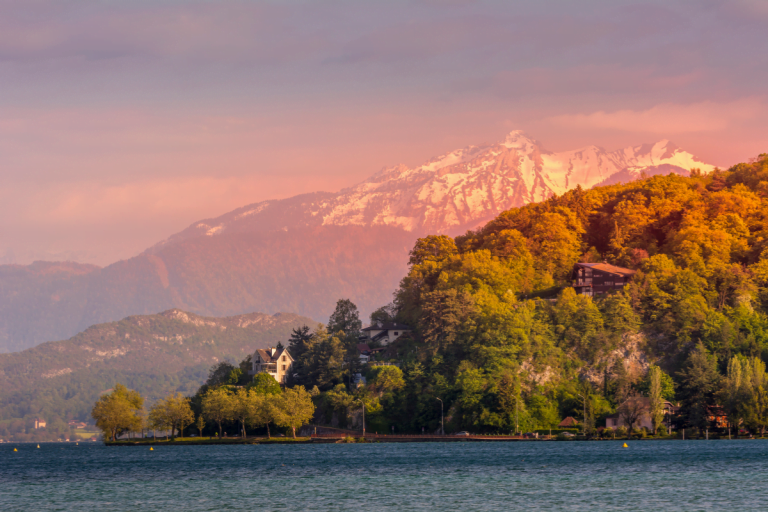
pixel 363 403
pixel 442 424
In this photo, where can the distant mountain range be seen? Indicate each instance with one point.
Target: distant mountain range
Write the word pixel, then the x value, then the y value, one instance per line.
pixel 303 253
pixel 155 354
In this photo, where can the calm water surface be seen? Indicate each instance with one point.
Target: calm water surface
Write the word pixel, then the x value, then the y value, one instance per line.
pixel 651 475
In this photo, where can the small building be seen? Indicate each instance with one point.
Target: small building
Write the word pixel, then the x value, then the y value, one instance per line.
pixel 568 422
pixel 384 334
pixel 598 278
pixel 39 423
pixel 366 353
pixel 276 362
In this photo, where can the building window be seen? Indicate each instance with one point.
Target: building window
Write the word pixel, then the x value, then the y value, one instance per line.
pixel 396 333
pixel 283 358
pixel 283 367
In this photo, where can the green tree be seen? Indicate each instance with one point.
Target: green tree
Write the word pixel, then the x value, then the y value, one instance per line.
pixel 298 344
pixel 243 407
pixel 219 374
pixel 294 408
pixel 433 248
pixel 200 424
pixel 118 411
pixel 345 318
pixel 699 381
pixel 655 397
pixel 264 409
pixel 172 413
pixel 265 384
pixel 445 315
pixel 217 406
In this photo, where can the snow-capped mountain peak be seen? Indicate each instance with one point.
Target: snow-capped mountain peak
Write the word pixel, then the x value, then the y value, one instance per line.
pixel 458 190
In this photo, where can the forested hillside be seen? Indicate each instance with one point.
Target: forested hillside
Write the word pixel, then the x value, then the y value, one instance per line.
pixel 155 354
pixel 488 344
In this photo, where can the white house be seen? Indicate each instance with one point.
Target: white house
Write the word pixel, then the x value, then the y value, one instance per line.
pixel 275 362
pixel 384 334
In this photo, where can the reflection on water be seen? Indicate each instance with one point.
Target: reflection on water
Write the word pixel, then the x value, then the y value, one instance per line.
pixel 662 475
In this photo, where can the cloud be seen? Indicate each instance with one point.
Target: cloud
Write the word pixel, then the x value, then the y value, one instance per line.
pixel 669 118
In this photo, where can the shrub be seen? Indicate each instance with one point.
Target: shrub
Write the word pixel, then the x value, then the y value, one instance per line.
pixel 621 431
pixel 607 432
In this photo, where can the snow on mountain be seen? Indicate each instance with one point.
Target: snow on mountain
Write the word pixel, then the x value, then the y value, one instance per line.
pixel 458 190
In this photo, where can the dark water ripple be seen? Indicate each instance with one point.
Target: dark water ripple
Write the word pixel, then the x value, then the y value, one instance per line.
pixel 663 475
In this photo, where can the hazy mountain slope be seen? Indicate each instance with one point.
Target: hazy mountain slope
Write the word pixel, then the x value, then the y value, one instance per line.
pixel 157 354
pixel 303 253
pixel 299 271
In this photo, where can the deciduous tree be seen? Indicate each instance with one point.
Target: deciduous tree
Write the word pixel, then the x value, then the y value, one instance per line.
pixel 217 406
pixel 118 411
pixel 294 408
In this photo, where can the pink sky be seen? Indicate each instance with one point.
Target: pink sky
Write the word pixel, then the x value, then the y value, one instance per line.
pixel 123 122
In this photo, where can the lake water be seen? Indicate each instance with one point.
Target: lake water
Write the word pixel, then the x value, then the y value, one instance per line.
pixel 649 475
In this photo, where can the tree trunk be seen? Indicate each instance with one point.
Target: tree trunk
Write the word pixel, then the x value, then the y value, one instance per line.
pixel 294 432
pixel 220 430
pixel 269 436
pixel 243 423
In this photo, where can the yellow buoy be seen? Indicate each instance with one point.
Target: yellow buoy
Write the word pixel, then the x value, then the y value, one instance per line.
pixel 151 449
pixel 38 446
pixel 625 446
pixel 15 450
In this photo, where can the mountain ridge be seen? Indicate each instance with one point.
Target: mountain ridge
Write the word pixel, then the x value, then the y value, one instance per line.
pixel 455 191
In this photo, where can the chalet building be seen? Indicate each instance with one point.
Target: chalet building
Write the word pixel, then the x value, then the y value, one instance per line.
pixel 39 423
pixel 276 362
pixel 384 334
pixel 597 278
pixel 366 353
pixel 644 421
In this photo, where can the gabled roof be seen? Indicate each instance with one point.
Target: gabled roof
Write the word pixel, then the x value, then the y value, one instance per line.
pixel 611 269
pixel 265 354
pixel 568 422
pixel 389 327
pixel 363 348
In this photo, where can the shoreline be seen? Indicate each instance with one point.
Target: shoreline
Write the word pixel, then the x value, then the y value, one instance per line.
pixel 380 439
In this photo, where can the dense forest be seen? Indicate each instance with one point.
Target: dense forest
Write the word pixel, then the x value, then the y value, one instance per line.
pixel 504 341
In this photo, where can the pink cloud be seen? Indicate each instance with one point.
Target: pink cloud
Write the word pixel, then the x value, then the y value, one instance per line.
pixel 670 118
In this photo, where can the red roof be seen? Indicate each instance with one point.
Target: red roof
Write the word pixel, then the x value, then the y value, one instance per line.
pixel 568 422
